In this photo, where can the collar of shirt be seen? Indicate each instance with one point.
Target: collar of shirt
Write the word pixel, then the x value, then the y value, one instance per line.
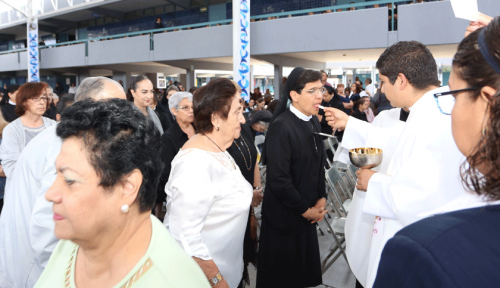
pixel 12 103
pixel 299 114
pixel 429 96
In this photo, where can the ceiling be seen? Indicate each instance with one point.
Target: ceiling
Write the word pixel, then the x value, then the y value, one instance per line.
pixel 438 51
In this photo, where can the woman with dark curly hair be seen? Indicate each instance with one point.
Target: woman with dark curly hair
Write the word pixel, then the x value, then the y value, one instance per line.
pixel 460 249
pixel 31 103
pixel 107 173
pixel 208 199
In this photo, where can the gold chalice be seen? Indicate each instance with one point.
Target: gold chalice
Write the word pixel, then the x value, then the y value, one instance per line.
pixel 366 157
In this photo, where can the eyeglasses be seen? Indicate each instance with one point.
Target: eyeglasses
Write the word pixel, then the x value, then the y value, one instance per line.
pixel 37 99
pixel 316 90
pixel 446 100
pixel 184 108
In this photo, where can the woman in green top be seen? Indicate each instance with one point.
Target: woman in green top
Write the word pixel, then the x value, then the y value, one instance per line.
pixel 107 173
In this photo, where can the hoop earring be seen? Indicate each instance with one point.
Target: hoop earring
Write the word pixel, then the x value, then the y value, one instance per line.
pixel 485 129
pixel 124 208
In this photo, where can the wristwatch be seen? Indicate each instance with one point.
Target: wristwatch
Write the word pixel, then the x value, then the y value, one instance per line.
pixel 216 279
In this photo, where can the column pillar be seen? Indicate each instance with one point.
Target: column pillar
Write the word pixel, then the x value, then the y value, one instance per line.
pixel 190 77
pixel 278 81
pixel 82 74
pixel 125 77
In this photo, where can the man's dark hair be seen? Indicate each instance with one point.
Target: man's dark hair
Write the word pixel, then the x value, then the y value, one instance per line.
pixel 412 59
pixel 65 101
pixel 330 89
pixel 118 139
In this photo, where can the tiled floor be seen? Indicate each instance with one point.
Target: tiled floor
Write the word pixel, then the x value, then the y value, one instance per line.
pixel 338 275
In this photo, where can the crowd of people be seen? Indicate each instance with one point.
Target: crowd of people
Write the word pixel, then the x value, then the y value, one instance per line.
pixel 143 189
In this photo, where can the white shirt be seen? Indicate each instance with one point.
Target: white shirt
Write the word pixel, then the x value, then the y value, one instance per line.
pixel 422 175
pixel 12 103
pixel 370 89
pixel 359 225
pixel 72 90
pixel 208 201
pixel 299 114
pixel 27 236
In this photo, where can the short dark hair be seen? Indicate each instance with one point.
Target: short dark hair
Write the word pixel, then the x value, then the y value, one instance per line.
pixel 260 100
pixel 192 89
pixel 329 89
pixel 412 59
pixel 118 139
pixel 133 86
pixel 65 101
pixel 472 67
pixel 369 80
pixel 12 88
pixel 213 98
pixel 306 76
pixel 28 91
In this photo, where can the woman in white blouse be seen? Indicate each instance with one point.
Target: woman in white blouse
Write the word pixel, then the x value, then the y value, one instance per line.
pixel 208 199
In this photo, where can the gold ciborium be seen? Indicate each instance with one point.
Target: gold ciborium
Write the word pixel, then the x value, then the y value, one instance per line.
pixel 366 157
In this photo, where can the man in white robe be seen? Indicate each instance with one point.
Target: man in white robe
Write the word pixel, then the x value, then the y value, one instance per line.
pixel 359 225
pixel 27 236
pixel 423 172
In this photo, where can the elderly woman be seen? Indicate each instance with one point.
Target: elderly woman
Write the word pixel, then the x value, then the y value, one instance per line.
pixel 174 138
pixel 32 102
pixel 141 93
pixel 208 199
pixel 460 249
pixel 107 173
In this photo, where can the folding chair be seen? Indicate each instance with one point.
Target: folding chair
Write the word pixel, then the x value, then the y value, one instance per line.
pixel 336 225
pixel 334 179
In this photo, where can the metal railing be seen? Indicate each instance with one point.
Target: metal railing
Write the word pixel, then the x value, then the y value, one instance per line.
pixel 209 24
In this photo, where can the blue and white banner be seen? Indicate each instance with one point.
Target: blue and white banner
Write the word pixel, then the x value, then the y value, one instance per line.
pixel 241 46
pixel 33 53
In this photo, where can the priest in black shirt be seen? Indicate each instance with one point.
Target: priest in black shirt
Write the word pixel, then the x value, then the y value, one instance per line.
pixel 8 103
pixel 295 196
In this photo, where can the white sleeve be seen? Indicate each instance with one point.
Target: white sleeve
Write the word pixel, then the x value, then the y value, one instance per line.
pixel 9 150
pixel 356 133
pixel 428 179
pixel 43 240
pixel 377 197
pixel 191 195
